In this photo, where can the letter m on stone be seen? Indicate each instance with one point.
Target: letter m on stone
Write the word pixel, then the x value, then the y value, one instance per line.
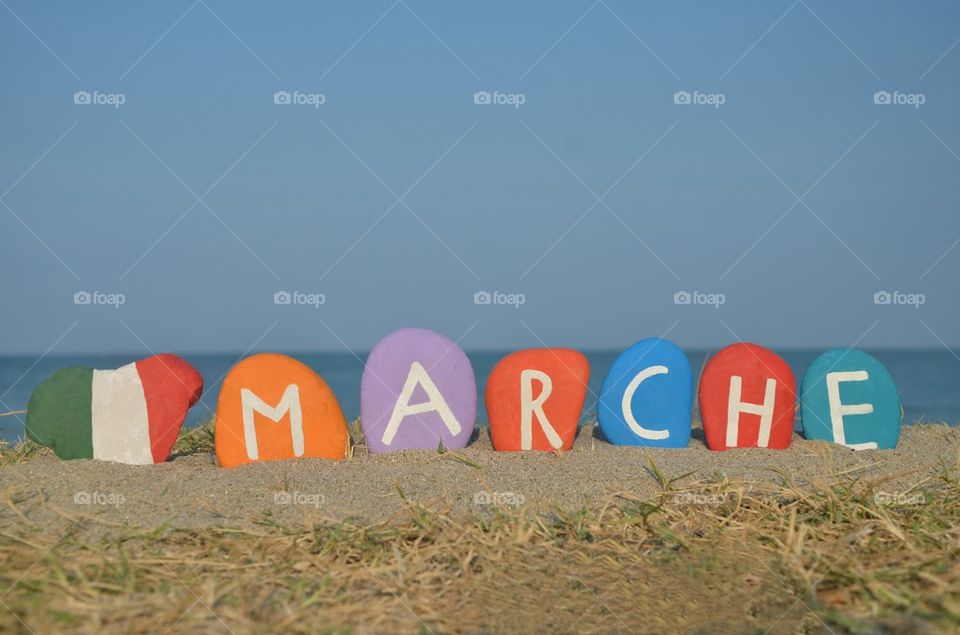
pixel 289 404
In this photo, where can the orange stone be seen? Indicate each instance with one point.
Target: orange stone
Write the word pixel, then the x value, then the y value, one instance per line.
pixel 534 399
pixel 271 408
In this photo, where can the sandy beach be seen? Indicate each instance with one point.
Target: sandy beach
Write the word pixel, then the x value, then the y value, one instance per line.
pixel 191 491
pixel 813 539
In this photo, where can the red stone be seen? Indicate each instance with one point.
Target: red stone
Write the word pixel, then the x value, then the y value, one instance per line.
pixel 170 387
pixel 567 375
pixel 754 365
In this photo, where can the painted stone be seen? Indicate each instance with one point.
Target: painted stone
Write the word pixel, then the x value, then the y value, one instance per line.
pixel 747 399
pixel 132 414
pixel 647 396
pixel 417 390
pixel 534 399
pixel 273 407
pixel 848 397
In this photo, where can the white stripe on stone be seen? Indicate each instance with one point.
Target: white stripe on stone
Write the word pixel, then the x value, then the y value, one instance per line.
pixel 121 431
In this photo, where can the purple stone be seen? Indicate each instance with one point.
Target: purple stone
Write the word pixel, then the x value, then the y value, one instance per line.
pixel 418 388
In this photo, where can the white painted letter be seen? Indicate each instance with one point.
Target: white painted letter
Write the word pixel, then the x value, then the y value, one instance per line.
pixel 434 402
pixel 735 407
pixel 838 410
pixel 289 403
pixel 530 406
pixel 637 429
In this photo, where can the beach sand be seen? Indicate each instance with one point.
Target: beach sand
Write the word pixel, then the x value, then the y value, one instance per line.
pixel 191 491
pixel 813 539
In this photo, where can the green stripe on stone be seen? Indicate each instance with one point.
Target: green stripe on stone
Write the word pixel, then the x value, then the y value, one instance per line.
pixel 59 414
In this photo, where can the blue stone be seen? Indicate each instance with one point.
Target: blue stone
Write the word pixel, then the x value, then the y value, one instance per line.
pixel 658 412
pixel 848 397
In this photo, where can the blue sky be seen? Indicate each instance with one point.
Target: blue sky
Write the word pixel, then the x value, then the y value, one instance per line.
pixel 596 200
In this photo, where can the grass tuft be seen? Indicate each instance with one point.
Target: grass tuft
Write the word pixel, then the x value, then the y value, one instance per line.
pixel 198 439
pixel 21 451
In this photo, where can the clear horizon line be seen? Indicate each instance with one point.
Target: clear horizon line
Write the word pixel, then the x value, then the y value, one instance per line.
pixel 586 349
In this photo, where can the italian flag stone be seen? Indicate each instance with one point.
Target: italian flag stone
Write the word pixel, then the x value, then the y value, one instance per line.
pixel 132 414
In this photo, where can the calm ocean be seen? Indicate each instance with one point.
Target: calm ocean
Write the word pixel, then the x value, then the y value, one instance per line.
pixel 929 381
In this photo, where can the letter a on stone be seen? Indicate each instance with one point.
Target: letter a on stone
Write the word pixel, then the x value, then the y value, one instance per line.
pixel 434 403
pixel 418 391
pixel 272 407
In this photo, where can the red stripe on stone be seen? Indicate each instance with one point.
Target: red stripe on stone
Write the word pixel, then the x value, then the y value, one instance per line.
pixel 170 387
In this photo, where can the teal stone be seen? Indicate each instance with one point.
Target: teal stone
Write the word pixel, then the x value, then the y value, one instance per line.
pixel 848 397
